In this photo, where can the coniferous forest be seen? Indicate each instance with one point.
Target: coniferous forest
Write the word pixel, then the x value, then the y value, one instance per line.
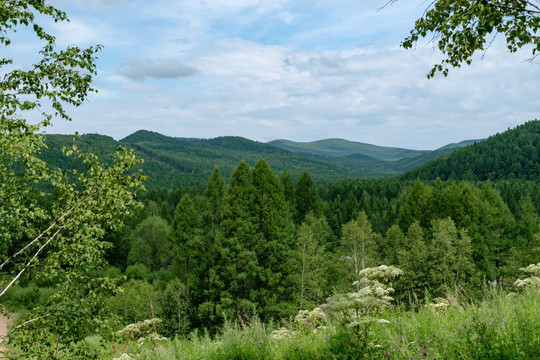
pixel 266 247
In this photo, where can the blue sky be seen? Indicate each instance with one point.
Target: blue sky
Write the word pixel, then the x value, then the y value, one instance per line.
pixel 294 69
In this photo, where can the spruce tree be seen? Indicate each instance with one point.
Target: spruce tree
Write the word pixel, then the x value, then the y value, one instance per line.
pixel 188 249
pixel 306 198
pixel 212 219
pixel 237 263
pixel 275 243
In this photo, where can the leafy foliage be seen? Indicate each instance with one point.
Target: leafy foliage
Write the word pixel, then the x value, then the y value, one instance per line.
pixel 460 28
pixel 52 220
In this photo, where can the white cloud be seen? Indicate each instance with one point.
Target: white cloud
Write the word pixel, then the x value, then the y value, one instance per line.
pixel 77 32
pixel 139 69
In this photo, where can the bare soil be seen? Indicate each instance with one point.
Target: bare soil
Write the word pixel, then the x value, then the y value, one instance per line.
pixel 3 331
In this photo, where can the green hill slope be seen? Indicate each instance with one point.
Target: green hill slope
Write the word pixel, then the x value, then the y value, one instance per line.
pixel 175 162
pixel 368 160
pixel 197 158
pixel 403 165
pixel 512 154
pixel 340 147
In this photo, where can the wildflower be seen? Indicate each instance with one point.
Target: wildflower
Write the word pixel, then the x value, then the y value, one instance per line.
pixel 460 329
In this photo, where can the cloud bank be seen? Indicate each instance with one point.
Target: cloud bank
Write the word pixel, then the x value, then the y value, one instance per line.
pixel 301 70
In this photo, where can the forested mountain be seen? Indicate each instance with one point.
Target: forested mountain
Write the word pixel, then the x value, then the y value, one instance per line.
pixel 160 173
pixel 172 162
pixel 369 160
pixel 407 164
pixel 340 147
pixel 177 162
pixel 510 155
pixel 198 157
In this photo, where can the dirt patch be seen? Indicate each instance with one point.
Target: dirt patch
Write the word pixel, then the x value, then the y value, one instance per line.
pixel 3 331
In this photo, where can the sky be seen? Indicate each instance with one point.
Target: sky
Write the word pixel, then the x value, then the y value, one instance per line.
pixel 301 70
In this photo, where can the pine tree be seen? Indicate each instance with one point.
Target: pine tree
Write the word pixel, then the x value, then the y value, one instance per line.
pixel 275 243
pixel 491 232
pixel 288 188
pixel 188 249
pixel 306 198
pixel 419 206
pixel 237 263
pixel 528 222
pixel 212 218
pixel 393 241
pixel 442 254
pixel 413 259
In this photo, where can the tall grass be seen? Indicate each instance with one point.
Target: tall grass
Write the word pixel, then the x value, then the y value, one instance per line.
pixel 501 326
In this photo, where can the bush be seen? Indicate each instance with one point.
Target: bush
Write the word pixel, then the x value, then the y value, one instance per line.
pixel 137 272
pixel 20 298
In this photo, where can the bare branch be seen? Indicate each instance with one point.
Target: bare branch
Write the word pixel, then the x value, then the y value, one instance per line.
pixel 67 212
pixel 521 9
pixel 25 323
pixel 30 262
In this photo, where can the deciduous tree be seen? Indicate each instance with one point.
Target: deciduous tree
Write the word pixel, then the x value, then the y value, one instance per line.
pixel 460 28
pixel 52 221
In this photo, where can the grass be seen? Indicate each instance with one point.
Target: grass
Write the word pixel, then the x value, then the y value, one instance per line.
pixel 502 326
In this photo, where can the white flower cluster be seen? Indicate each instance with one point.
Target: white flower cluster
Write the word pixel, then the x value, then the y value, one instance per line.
pixel 533 280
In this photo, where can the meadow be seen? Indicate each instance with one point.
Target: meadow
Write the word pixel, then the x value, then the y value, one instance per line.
pixel 504 325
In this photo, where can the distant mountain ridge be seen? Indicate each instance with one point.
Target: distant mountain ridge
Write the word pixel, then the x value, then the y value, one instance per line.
pixel 341 147
pixel 370 160
pixel 174 162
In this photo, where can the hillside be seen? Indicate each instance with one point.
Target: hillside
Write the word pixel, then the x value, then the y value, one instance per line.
pixel 368 160
pixel 513 154
pixel 340 147
pixel 198 158
pixel 175 162
pixel 160 173
pixel 407 164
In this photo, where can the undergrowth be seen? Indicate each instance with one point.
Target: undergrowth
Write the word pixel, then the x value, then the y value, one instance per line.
pixel 502 326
